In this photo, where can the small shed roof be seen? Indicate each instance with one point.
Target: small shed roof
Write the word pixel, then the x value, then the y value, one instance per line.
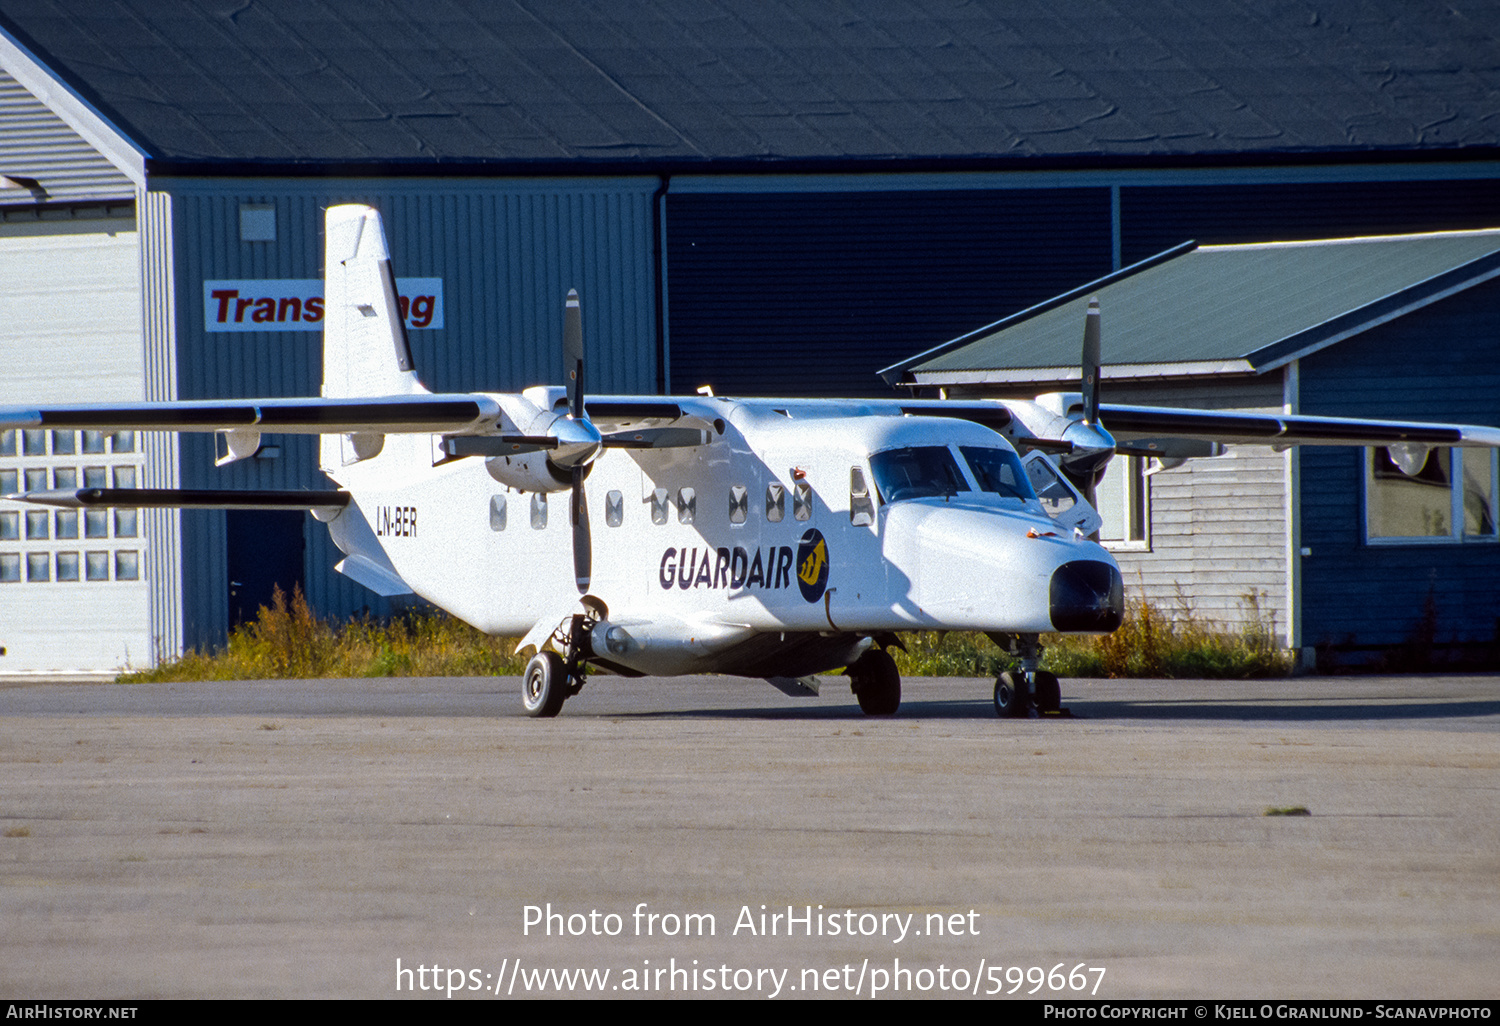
pixel 1217 309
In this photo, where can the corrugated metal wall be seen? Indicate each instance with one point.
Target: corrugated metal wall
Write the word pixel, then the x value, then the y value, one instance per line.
pixel 810 293
pixel 507 253
pixel 36 143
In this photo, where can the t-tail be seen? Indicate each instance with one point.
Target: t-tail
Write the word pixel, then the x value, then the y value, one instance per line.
pixel 366 351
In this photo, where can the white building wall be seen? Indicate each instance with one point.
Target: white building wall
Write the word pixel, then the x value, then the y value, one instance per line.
pixel 1219 530
pixel 70 331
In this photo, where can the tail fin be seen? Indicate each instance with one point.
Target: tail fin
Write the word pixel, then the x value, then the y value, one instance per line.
pixel 365 348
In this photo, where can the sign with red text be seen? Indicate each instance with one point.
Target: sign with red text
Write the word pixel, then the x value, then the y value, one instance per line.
pixel 296 304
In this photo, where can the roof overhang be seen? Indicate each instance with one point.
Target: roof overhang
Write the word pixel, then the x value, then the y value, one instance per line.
pixel 76 112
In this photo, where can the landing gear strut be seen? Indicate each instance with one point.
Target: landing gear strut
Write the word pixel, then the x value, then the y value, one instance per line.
pixel 552 679
pixel 1027 691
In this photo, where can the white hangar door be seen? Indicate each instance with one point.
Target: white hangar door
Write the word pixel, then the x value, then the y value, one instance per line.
pixel 72 591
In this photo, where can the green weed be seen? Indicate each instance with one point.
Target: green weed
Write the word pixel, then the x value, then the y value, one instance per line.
pixel 288 640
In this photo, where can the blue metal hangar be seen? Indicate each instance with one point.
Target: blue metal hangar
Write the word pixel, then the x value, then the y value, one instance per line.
pixel 777 197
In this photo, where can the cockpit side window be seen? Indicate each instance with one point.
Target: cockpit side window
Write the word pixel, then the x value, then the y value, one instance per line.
pixel 998 471
pixel 927 471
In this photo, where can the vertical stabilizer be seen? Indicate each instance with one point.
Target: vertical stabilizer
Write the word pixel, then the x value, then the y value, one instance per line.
pixel 365 348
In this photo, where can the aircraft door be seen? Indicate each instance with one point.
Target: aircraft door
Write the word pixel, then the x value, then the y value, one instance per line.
pixel 1063 503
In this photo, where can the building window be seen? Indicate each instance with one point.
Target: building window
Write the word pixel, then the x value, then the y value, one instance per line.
pixel 1124 503
pixel 96 566
pixel 127 565
pixel 10 567
pixel 67 566
pixel 38 566
pixel 1413 492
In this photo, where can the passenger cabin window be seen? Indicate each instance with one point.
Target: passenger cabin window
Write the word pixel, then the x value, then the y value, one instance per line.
pixel 802 501
pixel 687 505
pixel 920 472
pixel 497 512
pixel 614 508
pixel 538 510
pixel 659 504
pixel 739 503
pixel 775 503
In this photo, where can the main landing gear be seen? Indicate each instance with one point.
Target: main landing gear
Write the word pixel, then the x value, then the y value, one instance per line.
pixel 876 682
pixel 552 679
pixel 1027 691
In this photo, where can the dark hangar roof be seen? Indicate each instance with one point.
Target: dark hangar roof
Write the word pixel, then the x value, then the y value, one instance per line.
pixel 261 86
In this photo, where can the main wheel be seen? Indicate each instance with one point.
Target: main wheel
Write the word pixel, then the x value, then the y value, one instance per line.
pixel 1048 691
pixel 876 683
pixel 545 686
pixel 1011 698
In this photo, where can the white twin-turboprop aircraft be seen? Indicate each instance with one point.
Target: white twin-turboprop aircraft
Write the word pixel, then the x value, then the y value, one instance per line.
pixel 757 537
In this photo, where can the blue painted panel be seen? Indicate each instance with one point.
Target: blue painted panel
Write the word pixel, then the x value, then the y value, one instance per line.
pixel 1156 218
pixel 1440 363
pixel 811 293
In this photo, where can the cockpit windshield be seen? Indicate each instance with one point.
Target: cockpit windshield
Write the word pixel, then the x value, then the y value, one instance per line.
pixel 925 471
pixel 998 471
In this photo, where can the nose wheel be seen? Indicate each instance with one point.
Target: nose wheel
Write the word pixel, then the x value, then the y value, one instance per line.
pixel 1017 693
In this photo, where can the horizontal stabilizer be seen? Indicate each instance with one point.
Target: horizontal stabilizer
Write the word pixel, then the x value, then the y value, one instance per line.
pixel 382 580
pixel 184 498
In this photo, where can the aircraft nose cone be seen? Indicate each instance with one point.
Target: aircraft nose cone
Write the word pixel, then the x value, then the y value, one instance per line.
pixel 1087 595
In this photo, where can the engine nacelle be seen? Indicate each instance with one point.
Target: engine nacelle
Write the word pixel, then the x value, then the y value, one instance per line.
pixel 529 472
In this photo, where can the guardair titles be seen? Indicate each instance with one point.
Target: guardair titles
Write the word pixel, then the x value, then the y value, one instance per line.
pixel 773 567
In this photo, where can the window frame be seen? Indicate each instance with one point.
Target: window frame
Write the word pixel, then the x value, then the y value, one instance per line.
pixel 1457 533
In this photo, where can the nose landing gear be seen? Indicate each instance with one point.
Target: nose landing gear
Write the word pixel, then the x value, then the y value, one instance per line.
pixel 1027 691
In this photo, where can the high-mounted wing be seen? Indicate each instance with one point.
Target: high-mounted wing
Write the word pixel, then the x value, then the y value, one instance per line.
pixel 1132 423
pixel 404 414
